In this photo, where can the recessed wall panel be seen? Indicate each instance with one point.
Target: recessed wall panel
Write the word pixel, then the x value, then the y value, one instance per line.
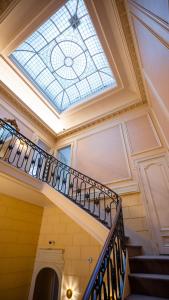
pixel 141 134
pixel 102 155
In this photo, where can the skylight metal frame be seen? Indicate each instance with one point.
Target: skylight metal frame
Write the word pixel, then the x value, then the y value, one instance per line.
pixel 90 92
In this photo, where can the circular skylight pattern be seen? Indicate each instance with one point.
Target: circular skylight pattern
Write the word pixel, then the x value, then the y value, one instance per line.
pixel 68 60
pixel 64 57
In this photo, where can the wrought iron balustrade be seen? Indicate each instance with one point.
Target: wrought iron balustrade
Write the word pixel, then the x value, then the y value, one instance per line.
pixel 107 280
pixel 95 198
pixel 17 150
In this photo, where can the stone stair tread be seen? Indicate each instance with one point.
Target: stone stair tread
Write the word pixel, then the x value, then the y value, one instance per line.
pixel 142 297
pixel 150 257
pixel 150 276
pixel 133 246
pixel 133 250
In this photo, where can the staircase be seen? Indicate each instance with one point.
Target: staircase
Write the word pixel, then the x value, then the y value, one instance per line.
pixel 149 277
pixel 90 196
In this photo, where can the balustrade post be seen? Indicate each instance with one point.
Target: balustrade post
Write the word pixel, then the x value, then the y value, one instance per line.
pixel 47 169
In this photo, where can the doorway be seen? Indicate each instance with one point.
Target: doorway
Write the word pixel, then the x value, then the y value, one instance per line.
pixel 46 285
pixel 154 174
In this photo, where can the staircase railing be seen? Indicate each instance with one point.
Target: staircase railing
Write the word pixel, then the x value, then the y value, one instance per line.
pixel 107 280
pixel 95 198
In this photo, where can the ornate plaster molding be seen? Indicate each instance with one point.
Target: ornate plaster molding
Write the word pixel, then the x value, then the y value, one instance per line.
pixel 97 121
pixel 121 8
pixel 12 122
pixel 5 7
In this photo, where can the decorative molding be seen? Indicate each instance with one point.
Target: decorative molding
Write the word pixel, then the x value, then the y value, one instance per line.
pixel 6 6
pixel 149 28
pixel 108 116
pixel 48 258
pixel 97 121
pixel 158 145
pixel 150 14
pixel 120 4
pixel 165 141
pixel 15 102
pixel 139 160
pixel 160 101
pixel 155 217
pixel 12 122
pixel 98 131
pixel 129 189
pixel 129 39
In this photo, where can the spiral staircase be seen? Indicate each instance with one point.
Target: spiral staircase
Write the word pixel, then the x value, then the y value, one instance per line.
pixel 149 277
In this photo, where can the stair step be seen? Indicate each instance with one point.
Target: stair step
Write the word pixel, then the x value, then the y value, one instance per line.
pixel 134 250
pixel 149 284
pixel 149 264
pixel 127 238
pixel 141 297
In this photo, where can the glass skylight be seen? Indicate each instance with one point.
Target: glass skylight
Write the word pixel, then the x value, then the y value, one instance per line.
pixel 64 57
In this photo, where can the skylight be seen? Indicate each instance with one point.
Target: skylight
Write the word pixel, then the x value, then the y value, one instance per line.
pixel 64 57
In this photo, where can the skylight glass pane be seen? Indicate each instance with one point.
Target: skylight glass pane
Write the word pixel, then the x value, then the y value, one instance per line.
pixel 45 78
pixel 49 31
pixel 64 57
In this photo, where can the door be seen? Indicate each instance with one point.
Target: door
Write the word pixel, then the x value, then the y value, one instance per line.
pixel 46 285
pixel 154 174
pixel 64 155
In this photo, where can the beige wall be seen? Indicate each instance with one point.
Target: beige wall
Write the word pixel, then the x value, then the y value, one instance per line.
pixel 109 152
pixel 19 230
pixel 135 221
pixel 149 22
pixel 98 154
pixel 27 123
pixel 4 113
pixel 78 247
pixel 156 7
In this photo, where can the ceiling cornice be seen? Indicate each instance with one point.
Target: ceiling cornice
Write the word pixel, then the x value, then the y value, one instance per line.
pixel 6 7
pixel 99 120
pixel 12 99
pixel 121 8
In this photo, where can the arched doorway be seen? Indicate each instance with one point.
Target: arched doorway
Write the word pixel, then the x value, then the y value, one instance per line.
pixel 46 285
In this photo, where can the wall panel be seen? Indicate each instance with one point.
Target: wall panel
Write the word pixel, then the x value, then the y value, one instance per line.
pixel 102 155
pixel 158 8
pixel 141 134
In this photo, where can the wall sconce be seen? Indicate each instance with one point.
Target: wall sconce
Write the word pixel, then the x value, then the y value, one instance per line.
pixel 69 293
pixel 90 260
pixel 51 242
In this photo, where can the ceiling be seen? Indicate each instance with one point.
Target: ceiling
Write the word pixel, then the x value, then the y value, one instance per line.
pixel 64 58
pixel 111 24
